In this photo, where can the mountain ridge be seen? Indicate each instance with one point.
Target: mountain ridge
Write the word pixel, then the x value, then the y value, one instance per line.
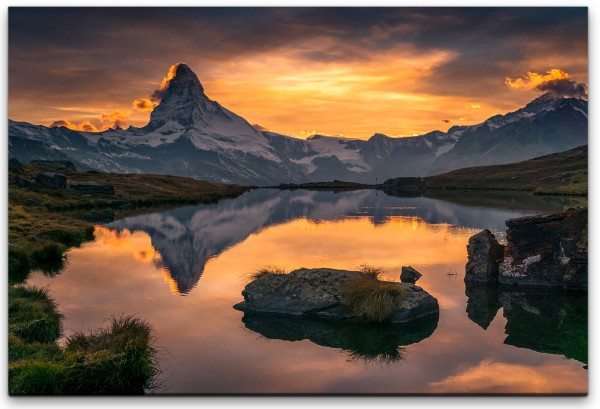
pixel 190 135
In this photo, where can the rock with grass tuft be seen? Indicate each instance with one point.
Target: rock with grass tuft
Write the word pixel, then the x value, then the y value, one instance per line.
pixel 338 295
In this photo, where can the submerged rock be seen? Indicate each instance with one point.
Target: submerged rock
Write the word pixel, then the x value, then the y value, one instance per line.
pixel 322 292
pixel 409 275
pixel 485 254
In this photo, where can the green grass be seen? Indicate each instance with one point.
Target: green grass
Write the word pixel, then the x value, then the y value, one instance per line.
pixel 33 315
pixel 266 270
pixel 373 300
pixel 116 360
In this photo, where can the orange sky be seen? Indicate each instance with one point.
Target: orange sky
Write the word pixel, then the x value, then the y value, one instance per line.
pixel 351 72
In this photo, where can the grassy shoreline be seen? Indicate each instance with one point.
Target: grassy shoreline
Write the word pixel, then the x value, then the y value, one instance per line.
pixel 44 223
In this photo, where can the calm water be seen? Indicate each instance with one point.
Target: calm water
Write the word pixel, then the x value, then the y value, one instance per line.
pixel 184 269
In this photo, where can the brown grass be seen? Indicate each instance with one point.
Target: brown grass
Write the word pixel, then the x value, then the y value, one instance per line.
pixel 373 300
pixel 372 272
pixel 266 270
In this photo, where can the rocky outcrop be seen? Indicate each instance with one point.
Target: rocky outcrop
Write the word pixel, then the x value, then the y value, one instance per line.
pixel 542 250
pixel 409 275
pixel 93 188
pixel 484 256
pixel 547 250
pixel 51 180
pixel 321 293
pixel 55 164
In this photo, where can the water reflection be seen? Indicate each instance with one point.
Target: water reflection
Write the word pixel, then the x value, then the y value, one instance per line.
pixel 133 263
pixel 187 238
pixel 367 343
pixel 541 319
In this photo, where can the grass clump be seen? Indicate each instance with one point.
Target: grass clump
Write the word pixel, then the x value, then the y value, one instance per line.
pixel 119 359
pixel 19 266
pixel 266 270
pixel 50 258
pixel 373 300
pixel 33 315
pixel 372 272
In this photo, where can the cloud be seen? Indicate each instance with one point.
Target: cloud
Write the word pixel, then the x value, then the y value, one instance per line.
pixel 65 123
pixel 555 81
pixel 447 121
pixel 158 94
pixel 475 106
pixel 85 126
pixel 564 88
pixel 116 119
pixel 144 104
pixel 260 127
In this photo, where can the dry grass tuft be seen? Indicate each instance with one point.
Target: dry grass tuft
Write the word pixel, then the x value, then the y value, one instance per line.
pixel 373 300
pixel 371 272
pixel 266 270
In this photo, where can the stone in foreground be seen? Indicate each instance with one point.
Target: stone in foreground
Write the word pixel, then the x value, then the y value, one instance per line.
pixel 409 275
pixel 319 292
pixel 485 254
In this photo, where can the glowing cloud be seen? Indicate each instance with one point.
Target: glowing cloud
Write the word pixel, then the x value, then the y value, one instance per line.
pixel 116 119
pixel 532 80
pixel 85 126
pixel 475 106
pixel 144 104
pixel 554 81
pixel 158 94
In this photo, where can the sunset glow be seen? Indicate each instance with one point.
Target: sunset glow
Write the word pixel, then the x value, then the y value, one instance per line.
pixel 353 72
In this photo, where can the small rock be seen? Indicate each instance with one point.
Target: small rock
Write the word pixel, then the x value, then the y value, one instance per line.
pixel 409 275
pixel 51 180
pixel 32 202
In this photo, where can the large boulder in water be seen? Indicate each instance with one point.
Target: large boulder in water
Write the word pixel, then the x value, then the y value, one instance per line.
pixel 331 294
pixel 485 255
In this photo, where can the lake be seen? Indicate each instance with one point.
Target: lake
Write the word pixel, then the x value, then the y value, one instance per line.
pixel 182 270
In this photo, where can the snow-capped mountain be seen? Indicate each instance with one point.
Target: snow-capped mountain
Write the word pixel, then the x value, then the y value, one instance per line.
pixel 190 135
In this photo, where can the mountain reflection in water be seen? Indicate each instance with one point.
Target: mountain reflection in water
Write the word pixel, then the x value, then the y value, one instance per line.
pixel 206 252
pixel 188 237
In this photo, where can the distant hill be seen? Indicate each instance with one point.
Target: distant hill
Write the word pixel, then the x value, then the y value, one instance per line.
pixel 557 173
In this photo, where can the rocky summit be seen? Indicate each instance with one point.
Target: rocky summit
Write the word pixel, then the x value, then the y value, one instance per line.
pixel 320 293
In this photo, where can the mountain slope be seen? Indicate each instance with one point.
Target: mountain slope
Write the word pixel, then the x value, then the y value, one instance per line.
pixel 191 135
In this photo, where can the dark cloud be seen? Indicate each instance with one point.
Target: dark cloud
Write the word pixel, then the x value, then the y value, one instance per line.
pixel 64 56
pixel 447 121
pixel 564 88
